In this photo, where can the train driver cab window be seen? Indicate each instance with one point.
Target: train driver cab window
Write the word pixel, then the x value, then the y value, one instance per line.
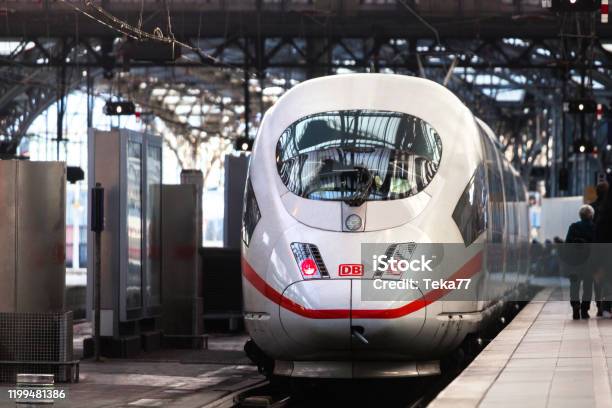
pixel 358 155
pixel 250 213
pixel 470 213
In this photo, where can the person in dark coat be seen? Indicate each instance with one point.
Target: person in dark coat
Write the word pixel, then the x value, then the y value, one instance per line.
pixel 603 239
pixel 579 235
pixel 601 189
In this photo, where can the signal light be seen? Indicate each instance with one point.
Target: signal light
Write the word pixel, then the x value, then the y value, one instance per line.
pixel 572 5
pixel 583 145
pixel 119 108
pixel 243 144
pixel 580 106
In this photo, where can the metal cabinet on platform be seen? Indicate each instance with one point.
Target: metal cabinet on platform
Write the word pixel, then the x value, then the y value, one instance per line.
pixel 35 330
pixel 182 276
pixel 32 236
pixel 129 166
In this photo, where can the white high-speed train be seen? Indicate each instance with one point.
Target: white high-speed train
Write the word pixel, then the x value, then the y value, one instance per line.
pixel 344 160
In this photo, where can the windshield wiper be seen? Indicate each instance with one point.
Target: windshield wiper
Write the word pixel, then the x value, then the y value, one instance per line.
pixel 363 189
pixel 358 149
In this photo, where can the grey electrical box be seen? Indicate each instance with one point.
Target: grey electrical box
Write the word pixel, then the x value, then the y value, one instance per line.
pixel 196 178
pixel 32 236
pixel 236 168
pixel 129 166
pixel 182 281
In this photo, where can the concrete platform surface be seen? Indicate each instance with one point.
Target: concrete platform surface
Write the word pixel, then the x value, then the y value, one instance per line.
pixel 542 359
pixel 165 378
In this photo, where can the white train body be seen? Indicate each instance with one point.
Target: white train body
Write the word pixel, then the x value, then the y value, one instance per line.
pixel 308 325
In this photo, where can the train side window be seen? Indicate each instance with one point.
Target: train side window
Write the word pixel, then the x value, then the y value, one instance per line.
pixel 510 183
pixel 496 191
pixel 470 213
pixel 250 213
pixel 511 198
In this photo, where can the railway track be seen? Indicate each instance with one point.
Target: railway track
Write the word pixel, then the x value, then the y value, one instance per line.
pixel 404 393
pixel 391 393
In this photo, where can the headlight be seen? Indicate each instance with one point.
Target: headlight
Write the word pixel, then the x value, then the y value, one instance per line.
pixel 353 222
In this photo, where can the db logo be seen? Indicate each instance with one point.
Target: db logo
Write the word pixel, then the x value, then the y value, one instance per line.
pixel 350 270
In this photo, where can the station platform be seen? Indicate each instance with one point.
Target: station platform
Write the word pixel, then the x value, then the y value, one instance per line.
pixel 543 358
pixel 164 378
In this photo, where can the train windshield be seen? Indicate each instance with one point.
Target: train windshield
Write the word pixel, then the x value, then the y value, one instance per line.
pixel 358 155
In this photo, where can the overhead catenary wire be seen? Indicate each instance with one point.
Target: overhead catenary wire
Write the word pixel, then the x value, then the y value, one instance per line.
pixel 138 34
pixel 421 19
pixel 75 83
pixel 32 81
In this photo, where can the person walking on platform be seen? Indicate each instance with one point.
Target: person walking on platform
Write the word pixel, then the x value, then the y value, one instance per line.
pixel 579 235
pixel 602 190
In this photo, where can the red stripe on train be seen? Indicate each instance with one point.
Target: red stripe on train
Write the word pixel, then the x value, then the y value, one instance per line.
pixel 468 270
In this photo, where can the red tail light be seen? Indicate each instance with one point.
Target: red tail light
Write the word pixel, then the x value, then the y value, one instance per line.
pixel 309 261
pixel 309 268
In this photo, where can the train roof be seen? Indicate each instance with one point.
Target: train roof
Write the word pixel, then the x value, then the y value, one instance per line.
pixel 415 96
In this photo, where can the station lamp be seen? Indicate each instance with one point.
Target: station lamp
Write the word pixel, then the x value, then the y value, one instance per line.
pixel 74 174
pixel 243 144
pixel 599 112
pixel 119 108
pixel 580 106
pixel 583 146
pixel 572 5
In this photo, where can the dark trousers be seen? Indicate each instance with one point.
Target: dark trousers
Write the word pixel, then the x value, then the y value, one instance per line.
pixel 597 292
pixel 602 296
pixel 587 289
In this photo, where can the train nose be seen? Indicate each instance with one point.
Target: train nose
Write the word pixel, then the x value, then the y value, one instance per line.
pixel 337 315
pixel 315 314
pixel 385 325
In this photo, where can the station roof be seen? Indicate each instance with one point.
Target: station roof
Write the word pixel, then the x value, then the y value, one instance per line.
pixel 504 58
